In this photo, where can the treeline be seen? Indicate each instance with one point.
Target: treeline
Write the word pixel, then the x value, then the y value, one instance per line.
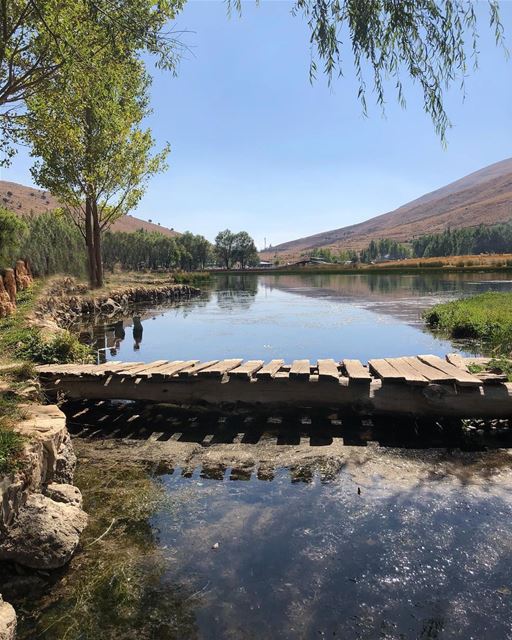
pixel 383 249
pixel 53 243
pixel 470 240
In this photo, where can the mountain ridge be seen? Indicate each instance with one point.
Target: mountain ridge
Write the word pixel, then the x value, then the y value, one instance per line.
pixel 27 201
pixel 481 197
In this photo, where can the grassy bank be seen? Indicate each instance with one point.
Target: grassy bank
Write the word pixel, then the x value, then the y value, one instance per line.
pixel 486 317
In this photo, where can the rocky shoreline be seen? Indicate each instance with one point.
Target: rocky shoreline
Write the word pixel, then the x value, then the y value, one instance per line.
pixel 41 516
pixel 65 302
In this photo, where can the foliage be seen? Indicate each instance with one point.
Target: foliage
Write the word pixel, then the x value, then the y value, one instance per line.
pixel 143 250
pixel 61 348
pixel 54 245
pixel 13 230
pixel 232 248
pixel 487 316
pixel 11 445
pixel 40 39
pixel 469 240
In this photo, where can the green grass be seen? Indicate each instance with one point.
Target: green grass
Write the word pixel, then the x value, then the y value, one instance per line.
pixel 486 317
pixel 11 443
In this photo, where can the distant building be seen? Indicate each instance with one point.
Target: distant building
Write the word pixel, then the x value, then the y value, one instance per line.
pixel 264 264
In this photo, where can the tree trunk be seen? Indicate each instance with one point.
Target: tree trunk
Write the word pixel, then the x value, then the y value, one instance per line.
pixel 89 242
pixel 96 231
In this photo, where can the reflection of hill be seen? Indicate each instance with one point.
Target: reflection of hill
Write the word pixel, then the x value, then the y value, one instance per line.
pixel 403 297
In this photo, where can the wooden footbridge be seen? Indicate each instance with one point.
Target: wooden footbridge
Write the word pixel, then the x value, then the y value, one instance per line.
pixel 423 385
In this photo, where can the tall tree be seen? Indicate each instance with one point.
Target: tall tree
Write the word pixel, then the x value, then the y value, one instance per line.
pixel 224 247
pixel 244 249
pixel 91 151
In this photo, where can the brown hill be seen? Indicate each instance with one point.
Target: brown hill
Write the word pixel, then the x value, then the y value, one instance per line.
pixel 28 201
pixel 482 197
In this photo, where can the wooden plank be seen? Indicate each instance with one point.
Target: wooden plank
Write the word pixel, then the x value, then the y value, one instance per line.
pixel 430 373
pixel 300 370
pixel 269 370
pixel 173 368
pixel 328 370
pixel 356 371
pixel 194 367
pixel 412 376
pixel 247 369
pixel 143 368
pixel 220 368
pixel 462 378
pixel 385 371
pixel 457 360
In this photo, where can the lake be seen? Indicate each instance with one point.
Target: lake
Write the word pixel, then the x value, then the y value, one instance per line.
pixel 218 527
pixel 305 316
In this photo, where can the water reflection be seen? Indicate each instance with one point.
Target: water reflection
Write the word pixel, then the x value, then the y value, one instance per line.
pixel 303 316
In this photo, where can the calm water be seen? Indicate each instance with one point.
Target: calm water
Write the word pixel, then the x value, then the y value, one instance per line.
pixel 308 316
pixel 223 530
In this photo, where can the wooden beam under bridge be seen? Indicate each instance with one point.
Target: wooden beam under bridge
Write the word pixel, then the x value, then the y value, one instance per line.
pixel 423 385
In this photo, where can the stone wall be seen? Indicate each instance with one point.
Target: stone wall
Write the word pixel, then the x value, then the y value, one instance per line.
pixel 41 516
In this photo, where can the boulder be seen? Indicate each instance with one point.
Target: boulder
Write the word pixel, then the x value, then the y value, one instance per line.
pixel 65 462
pixel 66 493
pixel 10 285
pixel 6 306
pixel 23 278
pixel 7 621
pixel 44 535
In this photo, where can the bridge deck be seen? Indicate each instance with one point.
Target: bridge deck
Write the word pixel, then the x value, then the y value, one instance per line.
pixel 418 385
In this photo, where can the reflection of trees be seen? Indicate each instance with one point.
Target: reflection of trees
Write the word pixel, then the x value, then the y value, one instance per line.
pixel 236 291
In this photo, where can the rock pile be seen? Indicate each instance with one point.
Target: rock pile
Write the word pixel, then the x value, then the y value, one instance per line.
pixel 12 281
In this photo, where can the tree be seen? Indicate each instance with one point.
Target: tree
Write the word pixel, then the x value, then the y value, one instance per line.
pixel 244 249
pixel 224 247
pixel 92 153
pixel 13 231
pixel 40 39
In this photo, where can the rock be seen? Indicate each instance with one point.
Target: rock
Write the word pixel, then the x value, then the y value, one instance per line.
pixel 65 462
pixel 66 493
pixel 7 621
pixel 6 306
pixel 44 535
pixel 10 285
pixel 23 278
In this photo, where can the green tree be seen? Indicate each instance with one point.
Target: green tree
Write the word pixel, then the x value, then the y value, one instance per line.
pixel 13 231
pixel 244 249
pixel 92 153
pixel 224 248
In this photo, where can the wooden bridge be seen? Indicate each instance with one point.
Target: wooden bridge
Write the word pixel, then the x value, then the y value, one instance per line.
pixel 424 385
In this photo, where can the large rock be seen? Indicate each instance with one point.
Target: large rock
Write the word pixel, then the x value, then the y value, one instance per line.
pixel 66 493
pixel 10 285
pixel 23 278
pixel 7 621
pixel 44 535
pixel 6 306
pixel 65 462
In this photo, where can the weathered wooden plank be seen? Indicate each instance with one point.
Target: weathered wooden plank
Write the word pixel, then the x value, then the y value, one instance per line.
pixel 173 368
pixel 269 370
pixel 385 371
pixel 247 369
pixel 356 371
pixel 457 360
pixel 462 378
pixel 328 370
pixel 300 370
pixel 220 368
pixel 194 367
pixel 412 376
pixel 143 368
pixel 430 373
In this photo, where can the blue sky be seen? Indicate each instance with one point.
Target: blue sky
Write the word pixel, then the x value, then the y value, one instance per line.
pixel 255 146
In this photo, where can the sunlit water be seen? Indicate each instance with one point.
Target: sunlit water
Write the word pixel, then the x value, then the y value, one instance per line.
pixel 421 551
pixel 308 316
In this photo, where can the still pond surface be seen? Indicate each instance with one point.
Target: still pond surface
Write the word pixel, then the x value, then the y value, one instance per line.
pixel 284 536
pixel 306 316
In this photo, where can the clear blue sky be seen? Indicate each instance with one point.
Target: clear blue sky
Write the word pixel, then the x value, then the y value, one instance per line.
pixel 255 146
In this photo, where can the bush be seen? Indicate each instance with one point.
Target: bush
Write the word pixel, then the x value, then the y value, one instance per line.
pixel 61 348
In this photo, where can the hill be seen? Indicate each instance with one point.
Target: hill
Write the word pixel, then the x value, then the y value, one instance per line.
pixel 30 201
pixel 482 197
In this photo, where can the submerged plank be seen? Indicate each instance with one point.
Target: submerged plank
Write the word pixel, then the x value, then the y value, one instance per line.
pixel 385 371
pixel 247 369
pixel 269 370
pixel 356 371
pixel 412 376
pixel 300 370
pixel 328 370
pixel 220 368
pixel 462 378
